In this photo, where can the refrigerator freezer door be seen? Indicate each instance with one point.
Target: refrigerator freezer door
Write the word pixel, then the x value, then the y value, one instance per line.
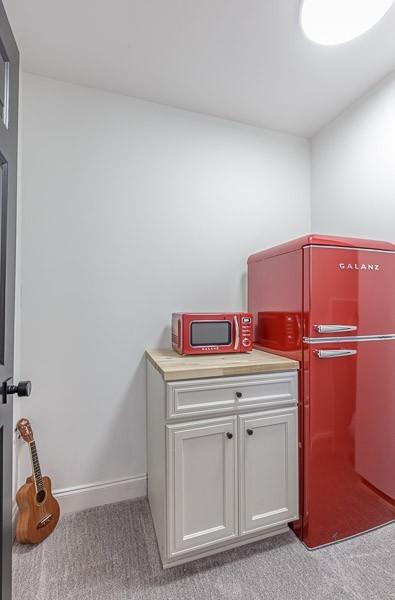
pixel 349 439
pixel 348 292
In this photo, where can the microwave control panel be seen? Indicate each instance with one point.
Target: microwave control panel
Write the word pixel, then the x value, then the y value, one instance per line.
pixel 246 331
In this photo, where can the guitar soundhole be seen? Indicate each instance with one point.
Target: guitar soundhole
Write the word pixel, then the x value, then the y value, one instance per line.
pixel 40 496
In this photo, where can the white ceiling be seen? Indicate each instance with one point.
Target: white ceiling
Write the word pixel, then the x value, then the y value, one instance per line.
pixel 245 60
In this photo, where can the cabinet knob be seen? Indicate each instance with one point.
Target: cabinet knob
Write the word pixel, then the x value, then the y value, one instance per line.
pixel 229 435
pixel 250 431
pixel 239 395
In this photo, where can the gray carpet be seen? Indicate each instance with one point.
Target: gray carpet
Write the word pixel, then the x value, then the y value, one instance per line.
pixel 110 553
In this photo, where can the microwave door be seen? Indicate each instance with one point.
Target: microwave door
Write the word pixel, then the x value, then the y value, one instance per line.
pixel 212 332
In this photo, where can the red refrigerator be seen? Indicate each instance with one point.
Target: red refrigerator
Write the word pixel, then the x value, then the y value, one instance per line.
pixel 329 302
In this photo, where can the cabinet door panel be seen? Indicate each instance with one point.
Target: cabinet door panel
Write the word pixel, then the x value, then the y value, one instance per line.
pixel 202 501
pixel 268 469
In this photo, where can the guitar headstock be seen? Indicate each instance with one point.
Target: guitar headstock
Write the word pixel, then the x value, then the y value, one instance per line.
pixel 25 430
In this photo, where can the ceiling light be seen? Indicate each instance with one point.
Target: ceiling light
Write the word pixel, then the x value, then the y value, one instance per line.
pixel 333 22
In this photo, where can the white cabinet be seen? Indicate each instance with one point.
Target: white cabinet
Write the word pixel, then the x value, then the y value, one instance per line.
pixel 267 469
pixel 220 473
pixel 202 500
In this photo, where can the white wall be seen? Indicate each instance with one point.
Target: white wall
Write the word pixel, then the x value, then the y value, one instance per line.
pixel 353 169
pixel 131 210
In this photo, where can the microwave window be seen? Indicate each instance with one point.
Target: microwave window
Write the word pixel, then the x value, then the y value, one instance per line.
pixel 211 333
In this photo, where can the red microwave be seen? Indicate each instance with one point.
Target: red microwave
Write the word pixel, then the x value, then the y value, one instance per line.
pixel 211 333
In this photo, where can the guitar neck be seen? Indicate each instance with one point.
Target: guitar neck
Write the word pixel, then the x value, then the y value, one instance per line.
pixel 36 469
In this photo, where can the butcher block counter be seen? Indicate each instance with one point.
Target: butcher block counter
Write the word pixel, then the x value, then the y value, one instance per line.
pixel 174 367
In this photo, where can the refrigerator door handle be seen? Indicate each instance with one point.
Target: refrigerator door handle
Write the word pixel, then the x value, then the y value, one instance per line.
pixel 334 353
pixel 334 328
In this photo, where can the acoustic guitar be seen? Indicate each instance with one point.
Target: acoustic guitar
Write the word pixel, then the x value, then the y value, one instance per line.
pixel 38 509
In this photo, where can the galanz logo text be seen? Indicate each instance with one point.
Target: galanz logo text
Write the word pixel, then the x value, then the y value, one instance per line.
pixel 358 267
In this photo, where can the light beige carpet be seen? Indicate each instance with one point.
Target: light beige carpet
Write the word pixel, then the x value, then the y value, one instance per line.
pixel 110 553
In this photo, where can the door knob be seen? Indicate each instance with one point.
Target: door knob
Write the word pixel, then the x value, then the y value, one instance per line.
pixel 250 431
pixel 23 388
pixel 229 435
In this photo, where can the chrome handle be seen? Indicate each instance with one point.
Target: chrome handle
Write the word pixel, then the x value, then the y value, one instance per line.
pixel 333 353
pixel 334 328
pixel 237 334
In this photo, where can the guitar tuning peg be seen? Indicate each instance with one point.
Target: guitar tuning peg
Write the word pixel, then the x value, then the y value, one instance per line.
pixel 18 435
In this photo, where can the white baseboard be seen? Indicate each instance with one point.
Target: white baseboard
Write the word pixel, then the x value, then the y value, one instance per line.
pixel 80 497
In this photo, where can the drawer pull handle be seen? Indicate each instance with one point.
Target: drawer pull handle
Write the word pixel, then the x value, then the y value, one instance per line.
pixel 229 435
pixel 250 431
pixel 239 395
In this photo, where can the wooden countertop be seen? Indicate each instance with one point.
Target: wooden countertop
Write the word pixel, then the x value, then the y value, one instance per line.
pixel 173 366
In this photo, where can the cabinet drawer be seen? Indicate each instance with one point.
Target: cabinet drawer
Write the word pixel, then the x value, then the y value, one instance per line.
pixel 226 394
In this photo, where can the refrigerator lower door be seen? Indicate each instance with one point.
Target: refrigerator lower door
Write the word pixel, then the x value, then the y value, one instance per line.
pixel 349 439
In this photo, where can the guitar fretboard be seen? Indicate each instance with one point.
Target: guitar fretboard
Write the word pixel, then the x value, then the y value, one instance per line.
pixel 38 480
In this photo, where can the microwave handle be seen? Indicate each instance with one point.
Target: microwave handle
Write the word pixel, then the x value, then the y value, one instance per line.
pixel 237 333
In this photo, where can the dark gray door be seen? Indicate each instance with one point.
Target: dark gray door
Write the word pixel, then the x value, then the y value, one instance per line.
pixel 9 72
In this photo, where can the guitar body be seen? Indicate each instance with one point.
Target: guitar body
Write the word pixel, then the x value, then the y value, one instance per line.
pixel 38 512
